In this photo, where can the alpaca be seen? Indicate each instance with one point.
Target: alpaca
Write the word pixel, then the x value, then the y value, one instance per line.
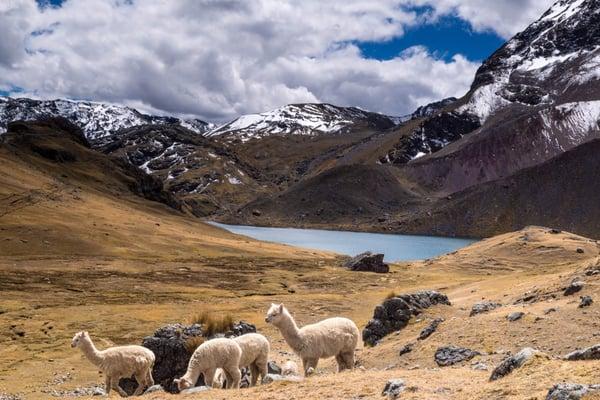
pixel 119 362
pixel 255 355
pixel 216 353
pixel 331 337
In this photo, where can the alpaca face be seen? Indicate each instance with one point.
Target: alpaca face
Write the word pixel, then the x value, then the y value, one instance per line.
pixel 182 383
pixel 274 313
pixel 78 338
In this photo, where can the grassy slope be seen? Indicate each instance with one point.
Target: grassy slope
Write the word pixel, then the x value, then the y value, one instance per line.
pixel 78 254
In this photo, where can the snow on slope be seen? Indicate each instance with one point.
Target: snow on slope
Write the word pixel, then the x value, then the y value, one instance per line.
pixel 301 119
pixel 97 120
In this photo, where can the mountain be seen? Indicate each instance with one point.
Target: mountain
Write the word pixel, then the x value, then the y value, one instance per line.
pixel 532 101
pixel 303 119
pixel 97 120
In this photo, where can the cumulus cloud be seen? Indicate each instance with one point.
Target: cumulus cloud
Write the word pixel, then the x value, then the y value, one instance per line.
pixel 217 59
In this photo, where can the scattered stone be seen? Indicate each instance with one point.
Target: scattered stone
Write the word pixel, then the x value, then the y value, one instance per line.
pixel 393 388
pixel 570 391
pixel 407 348
pixel 590 353
pixel 154 388
pixel 367 261
pixel 554 231
pixel 98 391
pixel 484 306
pixel 450 355
pixel 274 377
pixel 515 316
pixel 586 301
pixel 256 213
pixel 432 327
pixel 196 389
pixel 273 368
pixel 550 310
pixel 513 362
pixel 579 250
pixel 7 396
pixel 574 287
pixel 479 366
pixel 394 314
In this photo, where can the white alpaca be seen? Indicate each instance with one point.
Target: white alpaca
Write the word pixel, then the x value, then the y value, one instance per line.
pixel 119 362
pixel 216 353
pixel 331 337
pixel 255 355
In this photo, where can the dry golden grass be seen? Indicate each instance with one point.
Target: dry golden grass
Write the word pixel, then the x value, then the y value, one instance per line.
pixel 212 324
pixel 74 257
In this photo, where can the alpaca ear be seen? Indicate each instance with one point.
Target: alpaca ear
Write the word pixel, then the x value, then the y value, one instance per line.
pixel 281 307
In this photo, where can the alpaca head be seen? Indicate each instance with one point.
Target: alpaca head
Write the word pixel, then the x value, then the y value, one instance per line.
pixel 182 383
pixel 275 313
pixel 78 338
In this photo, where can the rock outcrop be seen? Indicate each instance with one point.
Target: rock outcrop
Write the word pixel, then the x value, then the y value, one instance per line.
pixel 585 301
pixel 513 362
pixel 570 391
pixel 450 355
pixel 484 306
pixel 432 327
pixel 573 288
pixel 590 353
pixel 367 261
pixel 396 311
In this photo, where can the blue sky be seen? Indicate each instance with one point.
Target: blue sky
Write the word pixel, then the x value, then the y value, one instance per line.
pixel 217 59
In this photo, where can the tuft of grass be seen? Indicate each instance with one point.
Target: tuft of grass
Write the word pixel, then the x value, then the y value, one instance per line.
pixel 391 295
pixel 192 343
pixel 212 325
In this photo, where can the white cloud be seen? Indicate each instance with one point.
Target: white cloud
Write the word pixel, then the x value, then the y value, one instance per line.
pixel 220 58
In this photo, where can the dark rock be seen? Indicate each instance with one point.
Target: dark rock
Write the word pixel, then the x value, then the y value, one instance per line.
pixel 574 287
pixel 367 262
pixel 393 388
pixel 395 313
pixel 515 316
pixel 580 250
pixel 241 328
pixel 256 213
pixel 586 301
pixel 550 310
pixel 450 355
pixel 407 348
pixel 483 307
pixel 273 368
pixel 513 362
pixel 428 331
pixel 570 391
pixel 555 231
pixel 590 353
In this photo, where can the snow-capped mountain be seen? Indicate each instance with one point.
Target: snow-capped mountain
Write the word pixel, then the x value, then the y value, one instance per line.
pixel 549 73
pixel 97 120
pixel 302 119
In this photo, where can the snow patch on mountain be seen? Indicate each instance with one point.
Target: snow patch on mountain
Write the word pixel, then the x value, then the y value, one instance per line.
pixel 97 120
pixel 300 119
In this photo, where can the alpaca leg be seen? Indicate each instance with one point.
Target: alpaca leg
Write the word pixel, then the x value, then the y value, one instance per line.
pixel 149 378
pixel 234 376
pixel 140 377
pixel 209 377
pixel 115 386
pixel 349 359
pixel 108 385
pixel 263 369
pixel 339 358
pixel 310 366
pixel 254 372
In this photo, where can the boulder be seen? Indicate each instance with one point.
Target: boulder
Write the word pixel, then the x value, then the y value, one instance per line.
pixel 570 391
pixel 393 388
pixel 590 353
pixel 432 327
pixel 573 288
pixel 367 262
pixel 407 348
pixel 394 313
pixel 513 362
pixel 586 301
pixel 515 316
pixel 450 355
pixel 482 307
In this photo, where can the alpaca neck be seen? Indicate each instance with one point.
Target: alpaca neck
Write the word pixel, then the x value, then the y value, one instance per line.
pixel 90 351
pixel 290 331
